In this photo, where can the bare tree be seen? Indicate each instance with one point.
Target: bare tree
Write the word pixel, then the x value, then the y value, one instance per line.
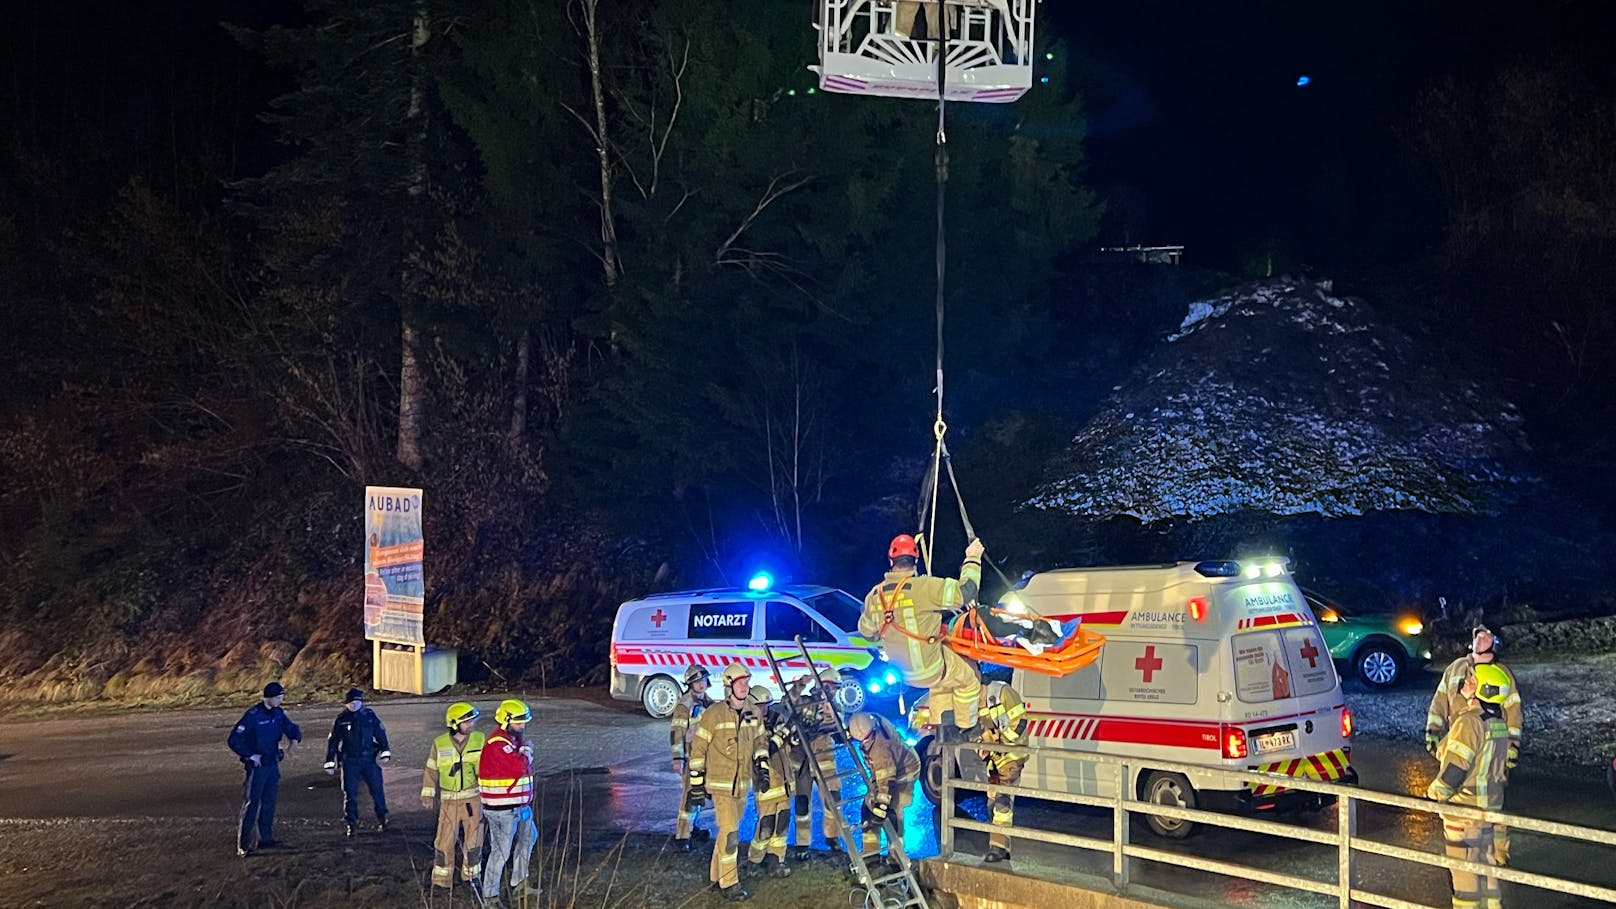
pixel 586 20
pixel 411 382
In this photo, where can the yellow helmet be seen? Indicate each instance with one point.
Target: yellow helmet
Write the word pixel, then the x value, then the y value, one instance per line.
pixel 459 713
pixel 1493 684
pixel 734 671
pixel 511 711
pixel 758 695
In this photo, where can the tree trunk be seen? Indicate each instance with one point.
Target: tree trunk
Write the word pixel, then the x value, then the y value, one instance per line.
pixel 519 403
pixel 411 382
pixel 608 226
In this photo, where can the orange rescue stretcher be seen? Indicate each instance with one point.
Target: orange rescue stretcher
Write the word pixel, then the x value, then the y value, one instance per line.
pixel 969 637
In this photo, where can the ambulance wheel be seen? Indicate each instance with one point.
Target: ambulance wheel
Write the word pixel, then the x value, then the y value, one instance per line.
pixel 931 770
pixel 659 696
pixel 1379 663
pixel 1162 788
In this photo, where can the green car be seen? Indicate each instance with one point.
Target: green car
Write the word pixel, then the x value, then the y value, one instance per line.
pixel 1378 648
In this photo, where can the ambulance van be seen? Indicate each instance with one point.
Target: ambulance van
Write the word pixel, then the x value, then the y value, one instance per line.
pixel 656 638
pixel 1216 663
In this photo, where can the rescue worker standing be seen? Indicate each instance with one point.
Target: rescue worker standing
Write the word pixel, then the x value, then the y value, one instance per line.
pixel 1004 721
pixel 451 777
pixel 360 740
pixel 894 767
pixel 1475 768
pixel 256 739
pixel 816 720
pixel 505 778
pixel 680 731
pixel 906 613
pixel 1446 701
pixel 726 746
pixel 770 779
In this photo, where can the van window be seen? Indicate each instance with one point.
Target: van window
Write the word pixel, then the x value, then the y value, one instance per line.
pixel 1277 664
pixel 721 621
pixel 785 621
pixel 841 609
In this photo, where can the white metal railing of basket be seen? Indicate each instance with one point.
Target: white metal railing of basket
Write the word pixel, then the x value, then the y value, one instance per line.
pixel 1345 838
pixel 981 31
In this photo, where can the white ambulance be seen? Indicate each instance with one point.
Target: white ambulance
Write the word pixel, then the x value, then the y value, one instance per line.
pixel 655 638
pixel 1216 663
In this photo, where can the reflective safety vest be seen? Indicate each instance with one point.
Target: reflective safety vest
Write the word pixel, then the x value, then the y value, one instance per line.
pixel 452 769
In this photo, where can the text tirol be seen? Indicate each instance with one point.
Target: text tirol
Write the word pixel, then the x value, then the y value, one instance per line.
pixel 721 620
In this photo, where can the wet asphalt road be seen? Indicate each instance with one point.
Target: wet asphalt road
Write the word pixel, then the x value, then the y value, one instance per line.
pixel 610 765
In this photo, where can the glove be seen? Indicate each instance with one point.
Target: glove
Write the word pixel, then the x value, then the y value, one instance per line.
pixel 761 775
pixel 874 814
pixel 527 751
pixel 1513 758
pixel 698 790
pixel 1431 740
pixel 256 761
pixel 330 768
pixel 385 756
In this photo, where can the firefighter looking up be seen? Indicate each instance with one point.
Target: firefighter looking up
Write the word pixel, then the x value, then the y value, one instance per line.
pixel 1004 721
pixel 1445 702
pixel 817 722
pixel 256 739
pixel 451 777
pixel 906 612
pixel 360 740
pixel 505 779
pixel 1475 768
pixel 680 730
pixel 894 766
pixel 723 752
pixel 770 777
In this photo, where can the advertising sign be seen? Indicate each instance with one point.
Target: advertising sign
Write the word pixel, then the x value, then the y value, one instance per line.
pixel 395 586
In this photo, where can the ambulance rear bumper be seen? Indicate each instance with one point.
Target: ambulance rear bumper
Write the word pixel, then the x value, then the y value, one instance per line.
pixel 1242 801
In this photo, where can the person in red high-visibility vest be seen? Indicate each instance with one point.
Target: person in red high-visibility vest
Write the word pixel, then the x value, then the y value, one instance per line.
pixel 505 777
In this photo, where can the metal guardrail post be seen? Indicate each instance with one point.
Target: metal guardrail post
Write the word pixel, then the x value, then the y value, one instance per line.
pixel 1119 830
pixel 1346 827
pixel 945 838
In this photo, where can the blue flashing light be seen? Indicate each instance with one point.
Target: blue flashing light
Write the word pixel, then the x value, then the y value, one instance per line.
pixel 760 582
pixel 1304 81
pixel 1049 55
pixel 892 679
pixel 910 740
pixel 1044 79
pixel 875 687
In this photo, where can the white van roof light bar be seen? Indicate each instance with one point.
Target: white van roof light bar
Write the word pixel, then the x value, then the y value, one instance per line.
pixel 1249 568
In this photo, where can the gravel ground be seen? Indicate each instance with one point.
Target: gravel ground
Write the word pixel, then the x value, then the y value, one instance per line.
pixel 1569 705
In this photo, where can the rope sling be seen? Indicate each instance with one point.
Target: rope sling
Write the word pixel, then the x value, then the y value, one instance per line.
pixel 966 633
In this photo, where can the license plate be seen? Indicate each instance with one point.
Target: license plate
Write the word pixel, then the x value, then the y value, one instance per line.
pixel 1275 741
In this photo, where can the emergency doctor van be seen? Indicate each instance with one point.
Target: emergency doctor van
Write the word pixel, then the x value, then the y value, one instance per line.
pixel 1217 663
pixel 655 638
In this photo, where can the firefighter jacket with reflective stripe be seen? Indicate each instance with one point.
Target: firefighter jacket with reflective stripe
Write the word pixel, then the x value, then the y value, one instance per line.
pixel 1004 719
pixel 451 768
pixel 894 766
pixel 776 733
pixel 259 732
pixel 724 748
pixel 504 775
pixel 685 713
pixel 356 737
pixel 906 612
pixel 1447 700
pixel 1474 757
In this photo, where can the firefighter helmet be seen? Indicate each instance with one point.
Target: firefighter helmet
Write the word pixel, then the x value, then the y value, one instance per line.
pixel 460 713
pixel 1493 684
pixel 861 726
pixel 903 545
pixel 830 678
pixel 697 673
pixel 759 696
pixel 734 672
pixel 512 711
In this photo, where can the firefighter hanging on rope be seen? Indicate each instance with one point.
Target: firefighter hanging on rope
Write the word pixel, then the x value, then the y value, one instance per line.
pixel 907 612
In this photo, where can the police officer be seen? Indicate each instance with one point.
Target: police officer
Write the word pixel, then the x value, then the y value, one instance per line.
pixel 894 767
pixel 680 729
pixel 1445 702
pixel 451 777
pixel 816 721
pixel 256 739
pixel 360 740
pixel 723 752
pixel 771 786
pixel 505 778
pixel 905 611
pixel 1475 768
pixel 1004 721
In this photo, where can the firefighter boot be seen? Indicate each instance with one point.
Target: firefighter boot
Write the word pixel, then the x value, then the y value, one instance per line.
pixel 734 894
pixel 774 866
pixel 996 854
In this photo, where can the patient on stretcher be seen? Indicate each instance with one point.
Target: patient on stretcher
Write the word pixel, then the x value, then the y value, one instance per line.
pixel 1032 634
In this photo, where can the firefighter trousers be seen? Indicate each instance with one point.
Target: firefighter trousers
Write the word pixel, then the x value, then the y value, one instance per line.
pixel 727 811
pixel 1003 804
pixel 821 750
pixel 462 820
pixel 511 835
pixel 1473 842
pixel 958 688
pixel 904 25
pixel 774 817
pixel 688 818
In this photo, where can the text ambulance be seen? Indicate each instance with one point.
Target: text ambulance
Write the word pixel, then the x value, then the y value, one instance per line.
pixel 1213 663
pixel 655 638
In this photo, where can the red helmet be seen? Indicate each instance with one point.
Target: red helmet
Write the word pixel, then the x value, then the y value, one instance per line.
pixel 903 545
